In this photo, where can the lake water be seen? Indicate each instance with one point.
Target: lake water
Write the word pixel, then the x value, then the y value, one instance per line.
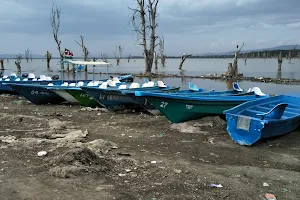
pixel 254 67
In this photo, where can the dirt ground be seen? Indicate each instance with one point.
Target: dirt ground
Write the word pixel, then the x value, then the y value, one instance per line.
pixel 95 154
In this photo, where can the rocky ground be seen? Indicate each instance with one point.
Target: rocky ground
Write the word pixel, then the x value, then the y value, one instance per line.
pixel 95 154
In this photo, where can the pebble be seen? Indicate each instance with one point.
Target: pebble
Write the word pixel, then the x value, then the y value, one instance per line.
pixel 265 184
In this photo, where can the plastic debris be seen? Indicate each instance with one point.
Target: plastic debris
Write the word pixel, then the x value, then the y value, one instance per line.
pixel 153 162
pixel 121 175
pixel 215 185
pixel 128 170
pixel 270 196
pixel 42 153
pixel 265 184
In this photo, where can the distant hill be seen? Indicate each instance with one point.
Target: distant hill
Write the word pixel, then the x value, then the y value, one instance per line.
pixel 11 56
pixel 282 47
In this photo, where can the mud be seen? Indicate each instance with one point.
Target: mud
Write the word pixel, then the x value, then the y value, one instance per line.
pixel 95 154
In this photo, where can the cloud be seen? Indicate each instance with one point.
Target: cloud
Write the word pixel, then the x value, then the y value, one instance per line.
pixel 190 25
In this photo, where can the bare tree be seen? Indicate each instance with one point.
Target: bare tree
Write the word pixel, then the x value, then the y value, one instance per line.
pixel 104 57
pixel 85 50
pixel 48 58
pixel 279 60
pixel 235 62
pixel 55 24
pixel 162 51
pixel 118 53
pixel 18 62
pixel 95 59
pixel 30 56
pixel 27 54
pixel 143 19
pixel 2 64
pixel 128 58
pixel 155 60
pixel 183 58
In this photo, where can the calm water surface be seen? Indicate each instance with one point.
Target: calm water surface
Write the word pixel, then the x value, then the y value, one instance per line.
pixel 254 67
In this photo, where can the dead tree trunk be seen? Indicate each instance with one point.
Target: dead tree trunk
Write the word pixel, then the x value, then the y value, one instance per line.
pixel 2 64
pixel 141 25
pixel 55 24
pixel 84 50
pixel 183 58
pixel 155 61
pixel 18 62
pixel 118 53
pixel 48 58
pixel 27 54
pixel 235 62
pixel 161 51
pixel 129 57
pixel 279 60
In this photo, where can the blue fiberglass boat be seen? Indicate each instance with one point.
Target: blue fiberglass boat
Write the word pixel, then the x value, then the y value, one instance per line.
pixel 42 94
pixel 181 107
pixel 263 118
pixel 114 97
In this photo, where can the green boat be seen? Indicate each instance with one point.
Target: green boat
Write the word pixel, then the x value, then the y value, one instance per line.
pixel 184 107
pixel 83 98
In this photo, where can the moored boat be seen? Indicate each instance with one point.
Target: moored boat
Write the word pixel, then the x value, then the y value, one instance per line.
pixel 184 107
pixel 263 118
pixel 112 98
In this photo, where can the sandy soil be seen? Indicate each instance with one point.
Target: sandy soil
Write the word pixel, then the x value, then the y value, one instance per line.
pixel 94 154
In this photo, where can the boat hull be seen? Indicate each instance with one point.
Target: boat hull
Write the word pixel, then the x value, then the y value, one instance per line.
pixel 83 98
pixel 246 127
pixel 37 94
pixel 177 110
pixel 65 95
pixel 111 99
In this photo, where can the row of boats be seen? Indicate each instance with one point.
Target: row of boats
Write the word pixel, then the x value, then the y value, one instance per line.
pixel 251 115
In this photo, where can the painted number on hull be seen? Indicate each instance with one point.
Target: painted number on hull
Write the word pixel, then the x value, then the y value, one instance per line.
pixel 34 92
pixel 189 107
pixel 109 97
pixel 163 104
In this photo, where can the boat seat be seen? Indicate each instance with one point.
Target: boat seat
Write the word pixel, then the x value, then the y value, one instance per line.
pixel 7 79
pixel 25 79
pixel 65 84
pixel 72 84
pixel 134 85
pixel 31 75
pixel 103 85
pixel 148 84
pixel 80 83
pixel 34 79
pixel 0 79
pixel 276 112
pixel 43 77
pixel 91 83
pixel 161 84
pixel 96 83
pixel 122 87
pixel 116 80
pixel 257 91
pixel 193 87
pixel 48 78
pixel 111 83
pixel 236 87
pixel 17 79
pixel 13 75
pixel 50 84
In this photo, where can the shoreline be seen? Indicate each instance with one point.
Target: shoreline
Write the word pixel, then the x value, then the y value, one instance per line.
pixel 285 81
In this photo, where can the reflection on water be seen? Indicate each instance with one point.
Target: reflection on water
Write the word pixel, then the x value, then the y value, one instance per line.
pixel 279 74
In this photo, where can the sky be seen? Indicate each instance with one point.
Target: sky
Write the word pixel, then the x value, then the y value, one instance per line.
pixel 188 26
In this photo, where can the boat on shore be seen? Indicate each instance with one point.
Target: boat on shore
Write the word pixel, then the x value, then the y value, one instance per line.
pixel 264 118
pixel 114 98
pixel 184 107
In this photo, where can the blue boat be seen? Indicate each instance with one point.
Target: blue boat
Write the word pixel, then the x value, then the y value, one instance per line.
pixel 264 118
pixel 115 98
pixel 181 107
pixel 42 94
